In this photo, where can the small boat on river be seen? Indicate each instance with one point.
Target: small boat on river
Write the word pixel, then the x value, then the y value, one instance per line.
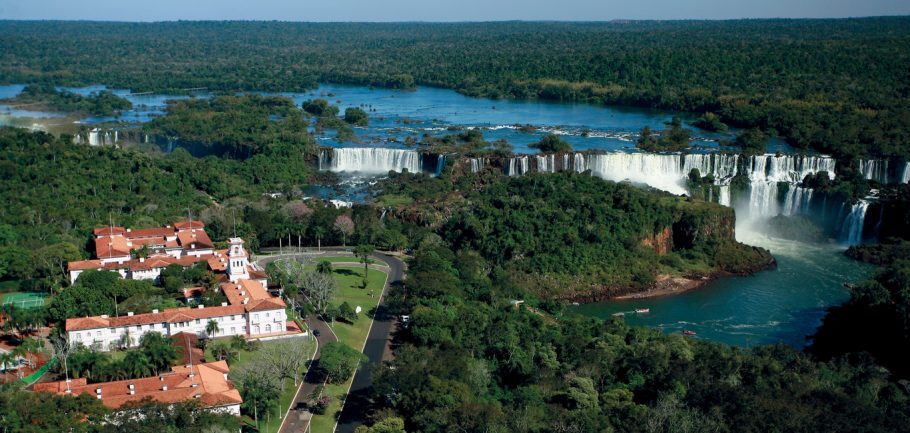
pixel 688 332
pixel 643 310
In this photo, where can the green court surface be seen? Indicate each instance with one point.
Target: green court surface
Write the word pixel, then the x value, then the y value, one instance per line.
pixel 23 299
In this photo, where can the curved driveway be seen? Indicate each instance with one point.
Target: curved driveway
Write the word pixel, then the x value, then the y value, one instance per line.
pixel 357 403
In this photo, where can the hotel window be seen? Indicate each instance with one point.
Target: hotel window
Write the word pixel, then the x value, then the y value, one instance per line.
pixel 233 329
pixel 256 317
pixel 268 328
pixel 197 321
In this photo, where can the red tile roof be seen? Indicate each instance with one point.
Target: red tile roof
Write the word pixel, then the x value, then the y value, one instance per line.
pixel 154 232
pixel 111 246
pixel 107 231
pixel 194 239
pixel 184 225
pixel 204 382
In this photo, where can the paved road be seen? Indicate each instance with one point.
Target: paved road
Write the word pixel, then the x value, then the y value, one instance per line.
pixel 298 418
pixel 357 404
pixel 358 401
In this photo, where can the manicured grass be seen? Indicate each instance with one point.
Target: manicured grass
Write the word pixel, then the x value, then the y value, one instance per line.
pixel 349 290
pixel 349 279
pixel 23 299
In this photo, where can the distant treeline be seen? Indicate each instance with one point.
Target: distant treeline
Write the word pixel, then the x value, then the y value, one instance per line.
pixel 837 86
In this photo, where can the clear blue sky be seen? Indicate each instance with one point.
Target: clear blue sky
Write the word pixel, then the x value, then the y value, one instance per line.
pixel 439 10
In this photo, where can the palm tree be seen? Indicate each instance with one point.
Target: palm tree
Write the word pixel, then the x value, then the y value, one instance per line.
pixel 324 267
pixel 363 251
pixel 212 328
pixel 135 364
pixel 158 349
pixel 319 232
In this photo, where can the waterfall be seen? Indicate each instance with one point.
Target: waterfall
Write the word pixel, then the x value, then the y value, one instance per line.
pixel 723 195
pixel 518 166
pixel 905 175
pixel 787 168
pixel 546 163
pixel 440 163
pixel 578 163
pixel 663 172
pixel 369 160
pixel 94 137
pixel 797 201
pixel 852 230
pixel 721 166
pixel 477 164
pixel 874 169
pixel 763 199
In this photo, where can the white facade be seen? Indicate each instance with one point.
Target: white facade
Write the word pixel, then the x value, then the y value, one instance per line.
pixel 238 261
pixel 245 324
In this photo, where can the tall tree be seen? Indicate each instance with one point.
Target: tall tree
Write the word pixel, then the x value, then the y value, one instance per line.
pixel 345 226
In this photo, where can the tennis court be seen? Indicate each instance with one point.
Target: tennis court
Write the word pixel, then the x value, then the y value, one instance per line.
pixel 23 299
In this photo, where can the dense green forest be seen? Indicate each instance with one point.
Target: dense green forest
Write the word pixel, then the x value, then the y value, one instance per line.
pixel 568 232
pixel 470 361
pixel 837 86
pixel 46 96
pixel 238 126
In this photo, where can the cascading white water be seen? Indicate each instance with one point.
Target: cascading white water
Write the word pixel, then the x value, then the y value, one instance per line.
pixel 578 163
pixel 723 195
pixel 477 164
pixel 660 171
pixel 852 229
pixel 763 199
pixel 874 169
pixel 518 166
pixel 905 175
pixel 787 168
pixel 369 160
pixel 546 163
pixel 721 166
pixel 440 163
pixel 797 201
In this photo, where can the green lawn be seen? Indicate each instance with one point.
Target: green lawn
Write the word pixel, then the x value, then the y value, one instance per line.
pixel 349 279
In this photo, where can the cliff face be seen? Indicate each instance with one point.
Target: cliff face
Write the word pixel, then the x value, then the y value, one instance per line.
pixel 661 242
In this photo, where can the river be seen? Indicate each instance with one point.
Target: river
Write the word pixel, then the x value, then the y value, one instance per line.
pixel 782 305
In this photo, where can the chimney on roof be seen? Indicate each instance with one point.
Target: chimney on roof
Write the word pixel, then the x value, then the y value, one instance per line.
pixel 195 385
pixel 246 301
pixel 129 314
pixel 155 311
pixel 141 259
pixel 98 391
pixel 164 388
pixel 201 307
pixel 104 316
pixel 132 389
pixel 224 304
pixel 129 230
